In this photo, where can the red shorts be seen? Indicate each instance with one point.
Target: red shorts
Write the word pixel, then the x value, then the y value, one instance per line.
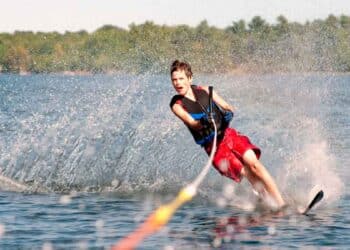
pixel 228 159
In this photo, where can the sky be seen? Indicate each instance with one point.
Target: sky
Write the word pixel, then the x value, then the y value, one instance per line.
pixel 89 15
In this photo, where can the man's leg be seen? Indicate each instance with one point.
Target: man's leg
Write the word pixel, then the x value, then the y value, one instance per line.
pixel 260 178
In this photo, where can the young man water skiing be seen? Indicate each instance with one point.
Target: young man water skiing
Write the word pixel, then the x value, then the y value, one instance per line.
pixel 236 156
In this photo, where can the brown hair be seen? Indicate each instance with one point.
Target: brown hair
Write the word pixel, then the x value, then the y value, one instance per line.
pixel 178 65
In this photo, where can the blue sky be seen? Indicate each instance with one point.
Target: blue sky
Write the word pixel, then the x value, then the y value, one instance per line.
pixel 74 15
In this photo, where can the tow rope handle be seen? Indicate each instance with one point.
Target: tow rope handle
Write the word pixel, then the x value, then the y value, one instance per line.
pixel 211 115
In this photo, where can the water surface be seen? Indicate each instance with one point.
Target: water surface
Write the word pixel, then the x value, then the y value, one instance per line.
pixel 94 155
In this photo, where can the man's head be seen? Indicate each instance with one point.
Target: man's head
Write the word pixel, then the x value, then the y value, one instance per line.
pixel 181 76
pixel 178 66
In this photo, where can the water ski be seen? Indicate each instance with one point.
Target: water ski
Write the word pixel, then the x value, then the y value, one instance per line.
pixel 292 208
pixel 317 198
pixel 261 206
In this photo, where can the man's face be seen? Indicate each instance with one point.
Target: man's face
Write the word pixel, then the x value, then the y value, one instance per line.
pixel 181 82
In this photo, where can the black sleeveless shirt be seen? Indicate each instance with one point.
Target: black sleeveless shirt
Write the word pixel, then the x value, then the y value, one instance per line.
pixel 199 108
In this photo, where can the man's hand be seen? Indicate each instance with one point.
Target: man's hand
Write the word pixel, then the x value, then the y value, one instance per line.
pixel 204 121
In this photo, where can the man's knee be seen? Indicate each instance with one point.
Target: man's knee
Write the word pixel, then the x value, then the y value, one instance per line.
pixel 249 157
pixel 252 162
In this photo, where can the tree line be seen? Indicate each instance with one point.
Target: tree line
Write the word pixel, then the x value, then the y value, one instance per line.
pixel 254 46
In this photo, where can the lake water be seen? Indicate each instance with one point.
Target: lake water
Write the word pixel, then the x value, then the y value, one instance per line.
pixel 85 159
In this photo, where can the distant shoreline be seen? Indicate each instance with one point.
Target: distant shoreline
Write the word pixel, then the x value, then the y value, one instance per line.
pixel 148 48
pixel 234 72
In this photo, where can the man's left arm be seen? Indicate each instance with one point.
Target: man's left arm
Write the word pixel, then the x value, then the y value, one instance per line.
pixel 220 101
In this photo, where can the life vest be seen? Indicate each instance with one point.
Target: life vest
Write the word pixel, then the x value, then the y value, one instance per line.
pixel 199 108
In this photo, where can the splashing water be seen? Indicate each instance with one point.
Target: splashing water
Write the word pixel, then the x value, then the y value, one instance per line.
pixel 117 133
pixel 95 133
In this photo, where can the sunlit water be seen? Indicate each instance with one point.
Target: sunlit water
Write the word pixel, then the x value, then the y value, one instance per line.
pixel 84 159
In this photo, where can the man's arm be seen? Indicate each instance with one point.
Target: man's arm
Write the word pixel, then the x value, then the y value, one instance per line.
pixel 220 101
pixel 185 116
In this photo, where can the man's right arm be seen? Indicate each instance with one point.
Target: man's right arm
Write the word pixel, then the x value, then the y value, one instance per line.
pixel 179 111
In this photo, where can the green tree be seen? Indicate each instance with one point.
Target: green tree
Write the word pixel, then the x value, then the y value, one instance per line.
pixel 149 48
pixel 258 25
pixel 345 22
pixel 237 27
pixel 282 25
pixel 17 59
